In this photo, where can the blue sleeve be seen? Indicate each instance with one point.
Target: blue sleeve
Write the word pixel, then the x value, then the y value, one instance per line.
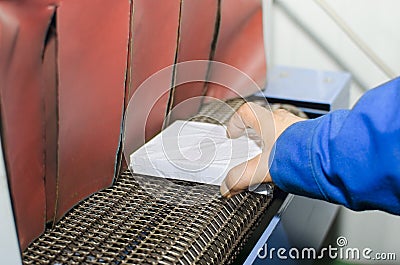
pixel 348 157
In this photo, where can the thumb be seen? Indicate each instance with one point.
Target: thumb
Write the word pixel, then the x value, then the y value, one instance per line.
pixel 249 173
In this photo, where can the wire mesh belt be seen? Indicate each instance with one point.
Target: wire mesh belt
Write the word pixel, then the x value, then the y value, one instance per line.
pixel 186 223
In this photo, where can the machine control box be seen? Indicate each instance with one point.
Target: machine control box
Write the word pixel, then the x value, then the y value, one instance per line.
pixel 315 92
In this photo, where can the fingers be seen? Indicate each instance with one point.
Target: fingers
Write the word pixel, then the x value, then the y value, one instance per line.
pixel 251 115
pixel 244 117
pixel 268 125
pixel 236 126
pixel 255 170
pixel 249 173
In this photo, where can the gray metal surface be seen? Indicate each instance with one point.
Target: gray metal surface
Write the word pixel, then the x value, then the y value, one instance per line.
pixel 9 247
pixel 300 223
pixel 307 85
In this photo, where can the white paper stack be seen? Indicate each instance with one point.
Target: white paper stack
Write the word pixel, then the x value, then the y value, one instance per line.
pixel 193 151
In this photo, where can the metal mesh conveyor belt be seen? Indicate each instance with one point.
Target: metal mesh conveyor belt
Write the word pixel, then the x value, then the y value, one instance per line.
pixel 146 220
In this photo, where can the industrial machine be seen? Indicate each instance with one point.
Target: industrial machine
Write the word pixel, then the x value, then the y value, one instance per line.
pixel 68 70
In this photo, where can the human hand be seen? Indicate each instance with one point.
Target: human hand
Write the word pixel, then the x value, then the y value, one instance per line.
pixel 268 125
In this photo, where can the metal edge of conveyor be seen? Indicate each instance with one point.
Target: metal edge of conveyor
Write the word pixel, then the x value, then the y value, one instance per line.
pixel 300 222
pixel 270 228
pixel 266 226
pixel 9 247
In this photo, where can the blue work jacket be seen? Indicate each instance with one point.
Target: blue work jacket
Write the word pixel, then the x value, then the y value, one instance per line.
pixel 348 157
